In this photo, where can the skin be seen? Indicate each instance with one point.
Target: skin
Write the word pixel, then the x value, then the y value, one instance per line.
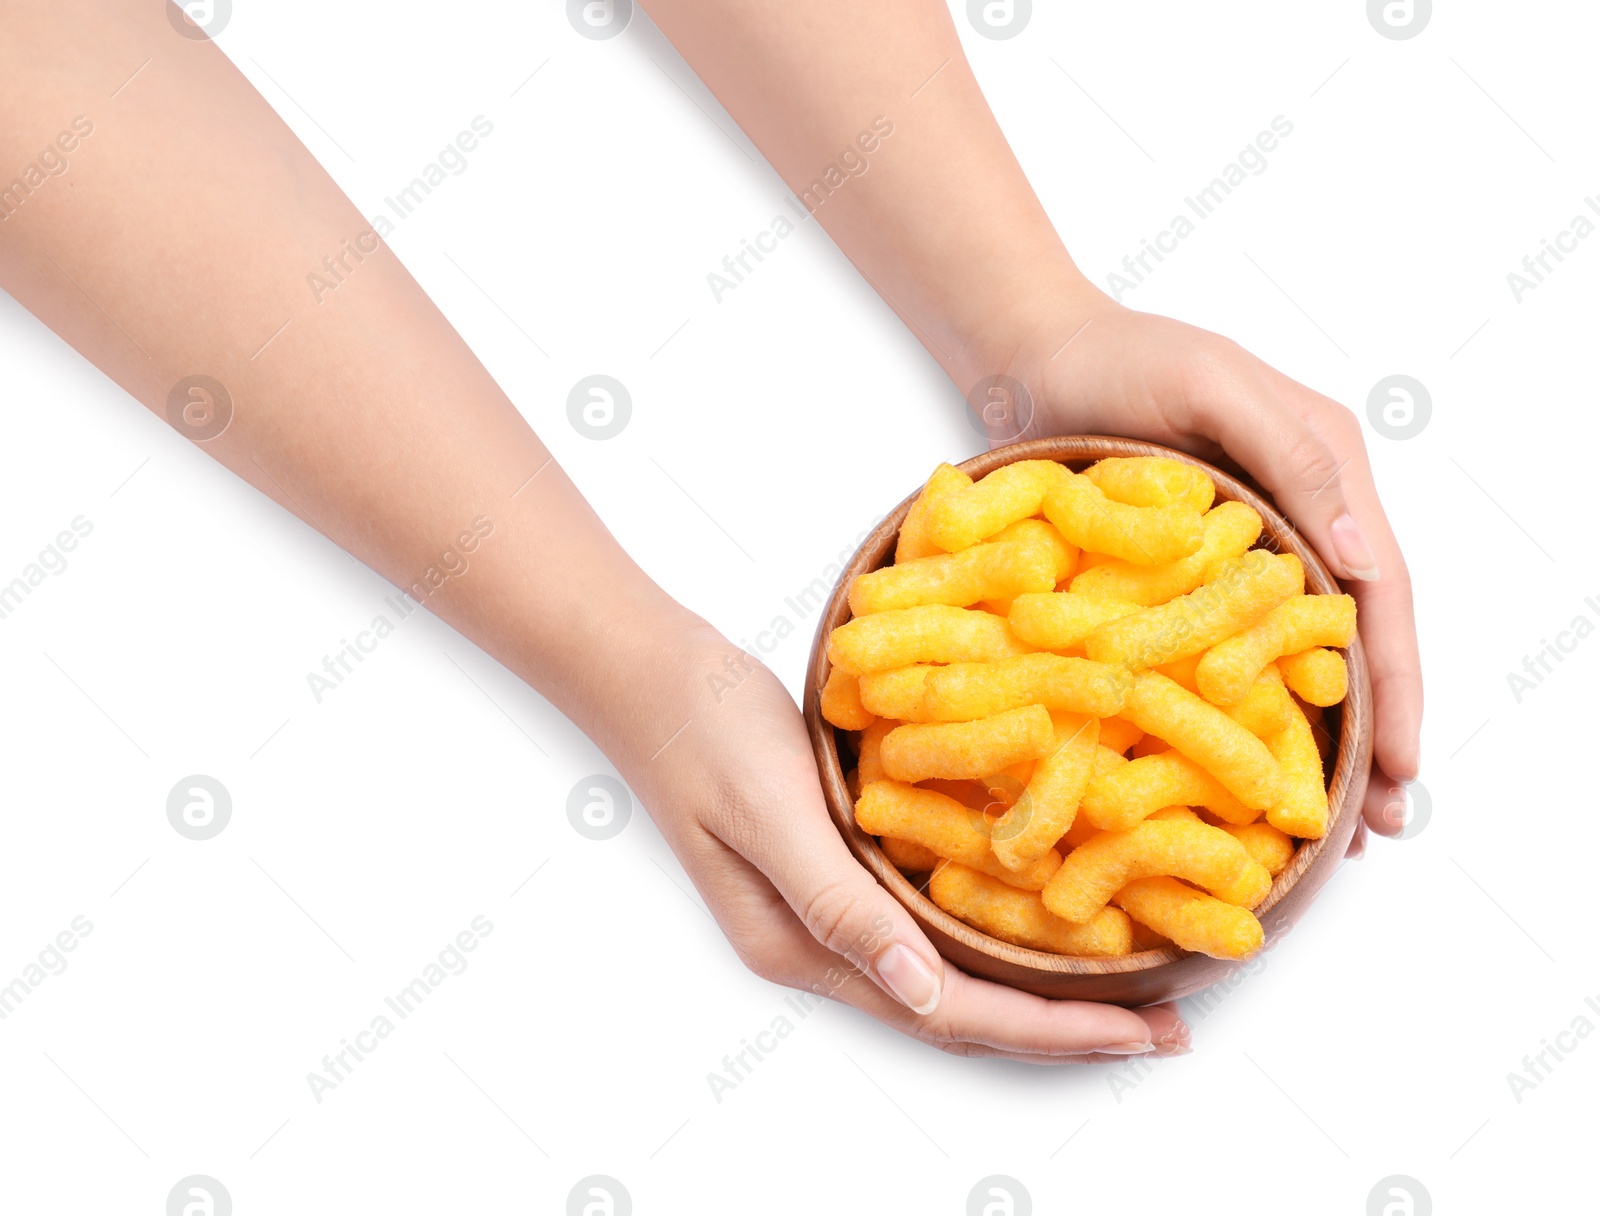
pixel 179 241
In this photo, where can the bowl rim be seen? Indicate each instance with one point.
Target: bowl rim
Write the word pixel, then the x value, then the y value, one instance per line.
pixel 1351 762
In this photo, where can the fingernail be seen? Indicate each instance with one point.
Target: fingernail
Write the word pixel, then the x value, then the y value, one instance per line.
pixel 1126 1049
pixel 1354 552
pixel 906 976
pixel 1394 812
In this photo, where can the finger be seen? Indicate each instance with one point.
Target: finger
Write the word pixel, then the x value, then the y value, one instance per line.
pixel 1384 602
pixel 801 853
pixel 1299 457
pixel 1384 808
pixel 974 1017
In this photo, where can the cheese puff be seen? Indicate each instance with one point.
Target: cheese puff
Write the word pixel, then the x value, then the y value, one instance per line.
pixel 1230 528
pixel 841 702
pixel 1019 917
pixel 1119 734
pixel 896 693
pixel 869 758
pixel 963 517
pixel 1146 938
pixel 890 808
pixel 1202 732
pixel 1249 588
pixel 1266 707
pixel 1153 481
pixel 970 794
pixel 1046 809
pixel 1271 846
pixel 933 633
pixel 1208 857
pixel 1303 808
pixel 852 782
pixel 1296 624
pixel 1080 832
pixel 1264 710
pixel 1317 676
pixel 967 749
pixel 1169 813
pixel 1192 919
pixel 1027 556
pixel 914 541
pixel 1119 800
pixel 1006 786
pixel 907 857
pixel 1147 536
pixel 963 691
pixel 1061 620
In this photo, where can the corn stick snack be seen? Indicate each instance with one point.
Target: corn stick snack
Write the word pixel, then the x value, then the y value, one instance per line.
pixel 868 760
pixel 1297 624
pixel 1028 556
pixel 1146 536
pixel 1317 676
pixel 1206 856
pixel 1192 919
pixel 1202 732
pixel 1272 847
pixel 1153 481
pixel 1118 800
pixel 1244 591
pixel 914 541
pixel 1019 917
pixel 1119 734
pixel 841 702
pixel 907 857
pixel 1230 528
pixel 1046 809
pixel 1061 620
pixel 943 825
pixel 896 693
pixel 963 517
pixel 934 633
pixel 960 692
pixel 1303 809
pixel 918 751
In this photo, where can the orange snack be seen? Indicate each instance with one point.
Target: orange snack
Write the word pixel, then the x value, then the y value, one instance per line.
pixel 914 541
pixel 943 825
pixel 1202 732
pixel 1031 827
pixel 1019 917
pixel 1206 856
pixel 933 633
pixel 841 702
pixel 918 751
pixel 1192 919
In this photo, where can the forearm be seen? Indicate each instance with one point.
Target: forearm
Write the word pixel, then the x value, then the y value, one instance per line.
pixel 180 240
pixel 942 221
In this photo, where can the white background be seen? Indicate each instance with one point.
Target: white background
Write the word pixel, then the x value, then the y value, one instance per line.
pixel 369 829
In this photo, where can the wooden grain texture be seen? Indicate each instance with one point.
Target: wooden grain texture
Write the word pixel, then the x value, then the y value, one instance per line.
pixel 1151 975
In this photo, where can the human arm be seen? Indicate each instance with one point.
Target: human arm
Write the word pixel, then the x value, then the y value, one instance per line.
pixel 177 241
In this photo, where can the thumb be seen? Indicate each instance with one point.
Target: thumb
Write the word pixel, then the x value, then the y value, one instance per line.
pixel 843 907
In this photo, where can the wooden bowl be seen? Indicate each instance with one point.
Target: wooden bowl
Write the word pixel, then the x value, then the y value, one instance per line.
pixel 1150 975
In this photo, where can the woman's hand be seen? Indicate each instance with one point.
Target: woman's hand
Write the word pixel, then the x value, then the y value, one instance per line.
pixel 737 796
pixel 1091 366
